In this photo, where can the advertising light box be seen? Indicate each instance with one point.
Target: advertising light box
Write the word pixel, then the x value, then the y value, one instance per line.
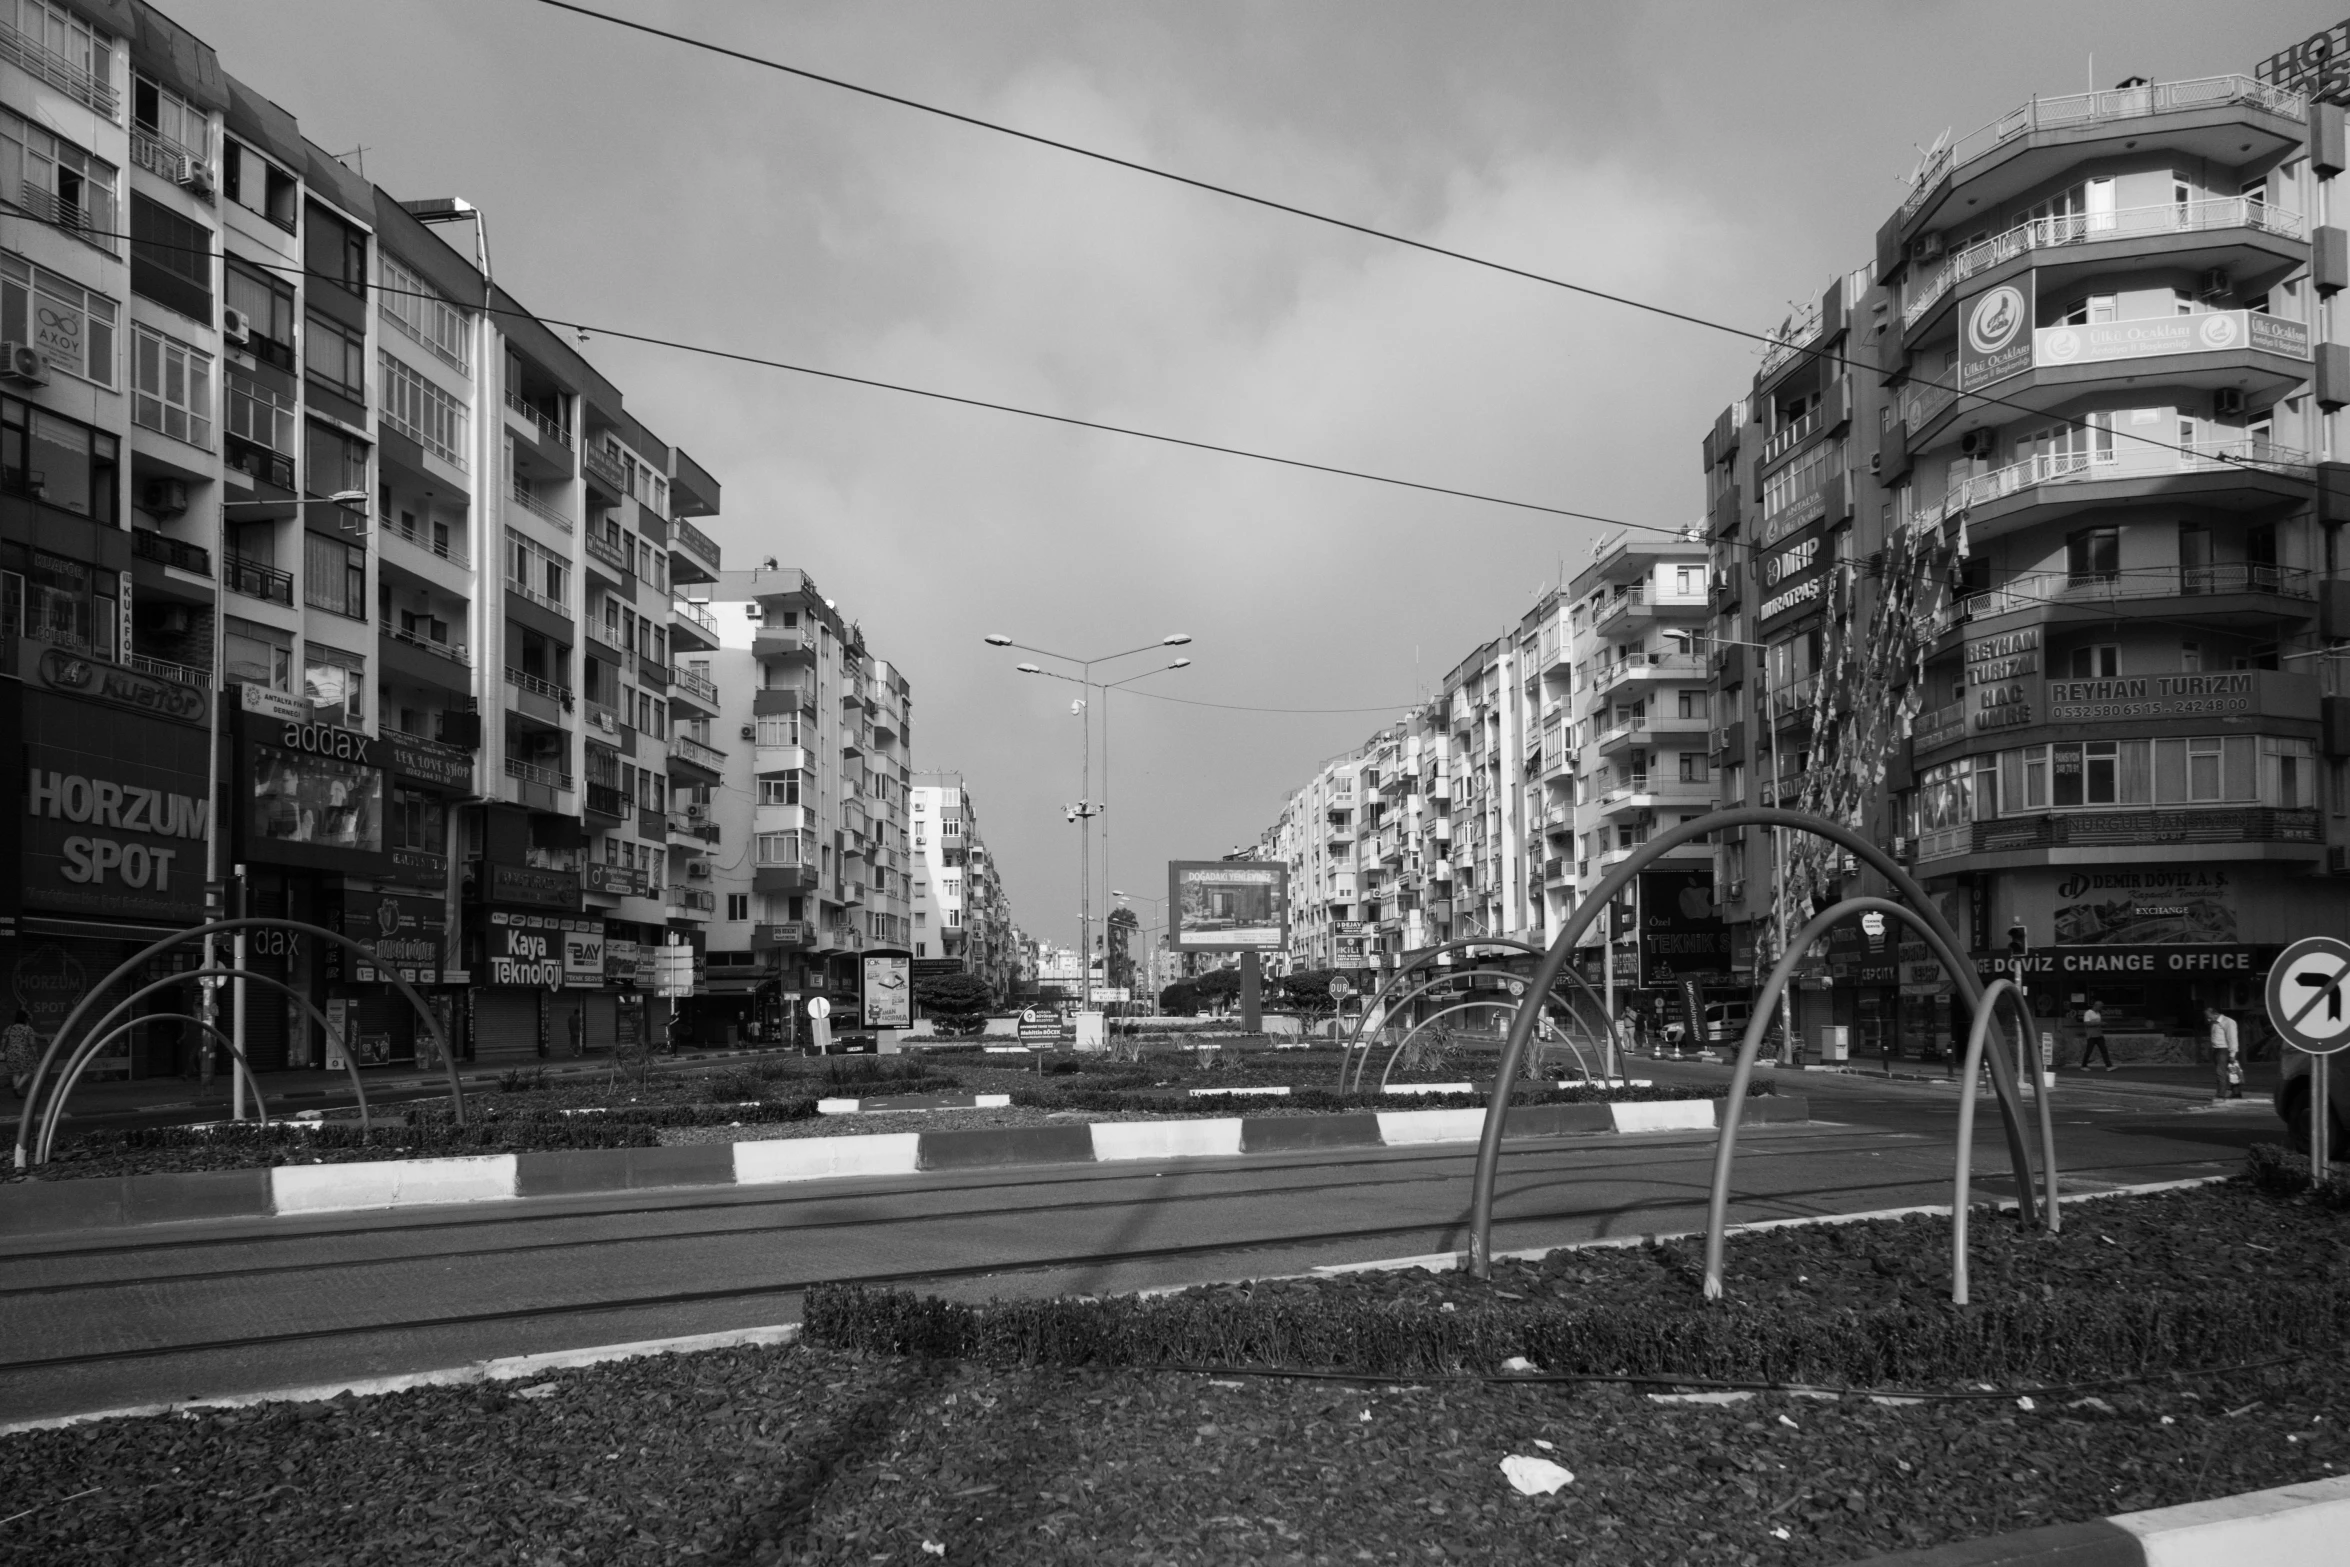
pixel 1228 905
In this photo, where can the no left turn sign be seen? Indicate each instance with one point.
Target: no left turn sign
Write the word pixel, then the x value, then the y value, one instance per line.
pixel 2309 995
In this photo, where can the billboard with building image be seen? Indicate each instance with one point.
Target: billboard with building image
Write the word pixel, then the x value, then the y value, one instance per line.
pixel 1227 905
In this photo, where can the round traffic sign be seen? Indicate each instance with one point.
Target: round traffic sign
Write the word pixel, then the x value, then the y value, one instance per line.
pixel 2309 995
pixel 818 1007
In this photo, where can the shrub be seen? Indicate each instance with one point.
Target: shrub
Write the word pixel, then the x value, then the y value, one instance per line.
pixel 2280 1172
pixel 892 1071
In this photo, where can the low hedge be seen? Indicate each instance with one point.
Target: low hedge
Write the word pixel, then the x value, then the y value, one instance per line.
pixel 2280 1172
pixel 499 1134
pixel 1113 1101
pixel 2061 1337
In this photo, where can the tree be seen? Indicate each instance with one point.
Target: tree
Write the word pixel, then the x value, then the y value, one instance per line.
pixel 1308 990
pixel 954 1003
pixel 1120 928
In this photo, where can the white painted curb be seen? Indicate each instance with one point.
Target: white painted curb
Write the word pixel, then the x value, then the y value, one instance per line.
pixel 1427 1088
pixel 1405 1128
pixel 1165 1139
pixel 2292 1523
pixel 1276 1090
pixel 510 1368
pixel 391 1183
pixel 1663 1115
pixel 814 1158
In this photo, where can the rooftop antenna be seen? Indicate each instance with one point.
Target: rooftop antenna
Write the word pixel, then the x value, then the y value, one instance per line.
pixel 355 160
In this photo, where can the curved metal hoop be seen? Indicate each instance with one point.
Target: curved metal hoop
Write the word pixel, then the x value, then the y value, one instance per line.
pixel 70 1074
pixel 1986 1011
pixel 1465 1006
pixel 1415 993
pixel 1610 887
pixel 215 928
pixel 1378 999
pixel 1725 1146
pixel 145 1018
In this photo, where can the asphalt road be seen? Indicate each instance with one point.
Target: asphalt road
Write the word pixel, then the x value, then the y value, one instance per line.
pixel 128 1317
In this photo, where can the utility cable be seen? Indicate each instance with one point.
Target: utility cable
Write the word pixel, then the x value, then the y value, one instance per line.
pixel 1348 225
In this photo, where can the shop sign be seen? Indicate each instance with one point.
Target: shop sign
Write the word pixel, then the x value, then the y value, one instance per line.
pixel 315 807
pixel 2144 962
pixel 2317 67
pixel 1800 596
pixel 283 706
pixel 1942 731
pixel 1681 933
pixel 328 740
pixel 1995 338
pixel 114 814
pixel 2003 659
pixel 2160 696
pixel 407 934
pixel 419 761
pixel 420 867
pixel 2139 908
pixel 531 886
pixel 648 965
pixel 583 956
pixel 888 999
pixel 532 949
pixel 618 881
pixel 78 674
pixel 2208 332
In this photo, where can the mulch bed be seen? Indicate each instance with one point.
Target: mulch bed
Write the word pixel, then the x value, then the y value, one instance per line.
pixel 827 1456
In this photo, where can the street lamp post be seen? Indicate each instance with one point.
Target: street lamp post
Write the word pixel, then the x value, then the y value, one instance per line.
pixel 1770 722
pixel 211 992
pixel 1084 811
pixel 1160 924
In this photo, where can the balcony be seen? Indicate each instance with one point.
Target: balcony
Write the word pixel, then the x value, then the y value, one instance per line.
pixel 442 543
pixel 164 550
pixel 704 624
pixel 1650 730
pixel 1797 333
pixel 692 902
pixel 536 773
pixel 255 580
pixel 1641 604
pixel 516 496
pixel 2105 830
pixel 607 550
pixel 73 80
pixel 609 800
pixel 2210 215
pixel 449 652
pixel 2134 460
pixel 547 429
pixel 2057 589
pixel 606 467
pixel 1644 668
pixel 164 669
pixel 1653 794
pixel 700 687
pixel 167 159
pixel 695 542
pixel 544 601
pixel 1789 437
pixel 536 698
pixel 2091 110
pixel 685 748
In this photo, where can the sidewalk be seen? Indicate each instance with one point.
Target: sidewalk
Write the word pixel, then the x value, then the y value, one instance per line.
pixel 2188 1084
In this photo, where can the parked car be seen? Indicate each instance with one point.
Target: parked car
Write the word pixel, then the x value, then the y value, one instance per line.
pixel 1725 1022
pixel 2292 1100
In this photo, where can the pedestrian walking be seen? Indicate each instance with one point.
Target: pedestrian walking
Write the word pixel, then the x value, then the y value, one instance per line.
pixel 2226 1056
pixel 2093 1025
pixel 578 1027
pixel 20 1051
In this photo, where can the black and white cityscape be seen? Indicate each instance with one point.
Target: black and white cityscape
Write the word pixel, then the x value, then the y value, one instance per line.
pixel 1035 783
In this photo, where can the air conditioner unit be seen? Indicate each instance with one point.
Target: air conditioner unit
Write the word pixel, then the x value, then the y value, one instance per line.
pixel 193 174
pixel 697 870
pixel 694 813
pixel 1975 443
pixel 2227 403
pixel 1876 462
pixel 750 731
pixel 235 325
pixel 2212 283
pixel 22 363
pixel 1926 247
pixel 164 497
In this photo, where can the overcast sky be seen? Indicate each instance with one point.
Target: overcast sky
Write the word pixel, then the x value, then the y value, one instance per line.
pixel 1724 159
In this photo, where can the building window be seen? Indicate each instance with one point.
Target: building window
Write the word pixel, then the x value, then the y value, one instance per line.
pixel 2097 662
pixel 538 573
pixel 738 905
pixel 72 605
pixel 408 302
pixel 265 306
pixel 257 185
pixel 63 50
pixel 335 252
pixel 171 387
pixel 260 429
pixel 783 790
pixel 777 848
pixel 335 685
pixel 171 259
pixel 1693 767
pixel 257 655
pixel 2094 555
pixel 57 461
pixel 334 576
pixel 334 357
pixel 423 412
pixel 72 327
pixel 779 729
pixel 170 137
pixel 58 182
pixel 417 821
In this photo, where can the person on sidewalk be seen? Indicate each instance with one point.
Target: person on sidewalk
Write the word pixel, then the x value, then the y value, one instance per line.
pixel 2226 1067
pixel 20 1052
pixel 578 1026
pixel 2093 1025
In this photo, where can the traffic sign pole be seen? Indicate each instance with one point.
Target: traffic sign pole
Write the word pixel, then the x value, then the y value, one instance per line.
pixel 2321 1117
pixel 2308 996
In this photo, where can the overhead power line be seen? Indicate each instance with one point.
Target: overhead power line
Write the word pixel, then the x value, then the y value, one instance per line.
pixel 1330 220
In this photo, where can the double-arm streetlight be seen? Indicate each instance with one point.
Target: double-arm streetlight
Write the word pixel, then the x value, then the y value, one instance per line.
pixel 1149 952
pixel 1085 810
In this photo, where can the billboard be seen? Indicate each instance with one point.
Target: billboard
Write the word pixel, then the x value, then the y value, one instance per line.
pixel 1681 934
pixel 888 999
pixel 1227 905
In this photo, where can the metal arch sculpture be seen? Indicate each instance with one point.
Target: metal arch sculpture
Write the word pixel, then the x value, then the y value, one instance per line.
pixel 1417 992
pixel 1725 1147
pixel 1378 998
pixel 1986 1011
pixel 1466 1006
pixel 1480 1255
pixel 145 1018
pixel 218 928
pixel 70 1073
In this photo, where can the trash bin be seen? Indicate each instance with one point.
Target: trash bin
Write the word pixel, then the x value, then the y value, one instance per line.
pixel 1835 1042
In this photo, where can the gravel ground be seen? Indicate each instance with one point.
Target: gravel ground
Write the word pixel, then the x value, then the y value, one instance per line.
pixel 823 1456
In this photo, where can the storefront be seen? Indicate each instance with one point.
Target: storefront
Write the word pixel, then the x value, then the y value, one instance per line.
pixel 534 957
pixel 1863 961
pixel 108 845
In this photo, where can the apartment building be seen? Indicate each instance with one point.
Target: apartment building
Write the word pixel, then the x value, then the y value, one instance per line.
pixel 960 912
pixel 2037 518
pixel 816 790
pixel 270 430
pixel 1318 837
